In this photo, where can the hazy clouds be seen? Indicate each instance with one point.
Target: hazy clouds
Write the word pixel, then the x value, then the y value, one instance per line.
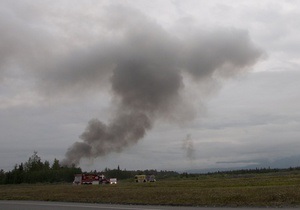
pixel 146 63
pixel 147 66
pixel 140 61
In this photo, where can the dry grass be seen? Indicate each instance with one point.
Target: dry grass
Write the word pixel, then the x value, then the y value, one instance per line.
pixel 256 190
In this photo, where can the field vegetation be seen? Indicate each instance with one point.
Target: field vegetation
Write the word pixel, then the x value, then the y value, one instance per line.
pixel 268 189
pixel 40 180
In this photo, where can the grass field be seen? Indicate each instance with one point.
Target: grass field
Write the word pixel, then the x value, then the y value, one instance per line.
pixel 273 189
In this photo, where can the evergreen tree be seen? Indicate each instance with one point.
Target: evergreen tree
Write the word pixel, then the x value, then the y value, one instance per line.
pixel 55 165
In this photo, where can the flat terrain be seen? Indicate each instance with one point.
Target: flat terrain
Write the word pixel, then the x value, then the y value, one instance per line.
pixel 44 205
pixel 252 190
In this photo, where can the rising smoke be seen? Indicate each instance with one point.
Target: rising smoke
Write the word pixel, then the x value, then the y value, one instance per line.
pixel 147 77
pixel 142 63
pixel 147 68
pixel 188 147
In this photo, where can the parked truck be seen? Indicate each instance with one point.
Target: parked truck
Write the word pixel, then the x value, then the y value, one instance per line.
pixel 90 179
pixel 144 178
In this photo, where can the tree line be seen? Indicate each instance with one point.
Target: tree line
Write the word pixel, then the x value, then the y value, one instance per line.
pixel 37 171
pixel 129 174
pixel 34 170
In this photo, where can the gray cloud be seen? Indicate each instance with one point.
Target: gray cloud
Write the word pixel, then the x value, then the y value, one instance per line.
pixel 223 52
pixel 141 63
pixel 147 76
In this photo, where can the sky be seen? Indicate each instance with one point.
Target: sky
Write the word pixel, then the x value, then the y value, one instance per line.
pixel 165 84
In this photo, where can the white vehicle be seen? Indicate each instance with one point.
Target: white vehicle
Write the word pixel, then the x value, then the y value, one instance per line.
pixel 113 180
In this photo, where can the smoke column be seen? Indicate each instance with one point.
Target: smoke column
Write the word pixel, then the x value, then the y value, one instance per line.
pixel 144 65
pixel 188 147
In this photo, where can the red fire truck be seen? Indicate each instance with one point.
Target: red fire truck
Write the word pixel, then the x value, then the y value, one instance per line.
pixel 90 179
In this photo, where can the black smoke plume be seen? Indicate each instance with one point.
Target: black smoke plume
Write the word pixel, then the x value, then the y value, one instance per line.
pixel 145 66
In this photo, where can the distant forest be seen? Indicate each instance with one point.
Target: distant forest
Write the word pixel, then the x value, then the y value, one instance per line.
pixel 34 170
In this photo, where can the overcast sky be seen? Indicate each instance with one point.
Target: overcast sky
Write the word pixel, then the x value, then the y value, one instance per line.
pixel 164 84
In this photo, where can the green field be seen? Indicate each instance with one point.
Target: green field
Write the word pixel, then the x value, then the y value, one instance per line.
pixel 272 189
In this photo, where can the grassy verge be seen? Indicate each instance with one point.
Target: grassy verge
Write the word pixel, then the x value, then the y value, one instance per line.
pixel 255 190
